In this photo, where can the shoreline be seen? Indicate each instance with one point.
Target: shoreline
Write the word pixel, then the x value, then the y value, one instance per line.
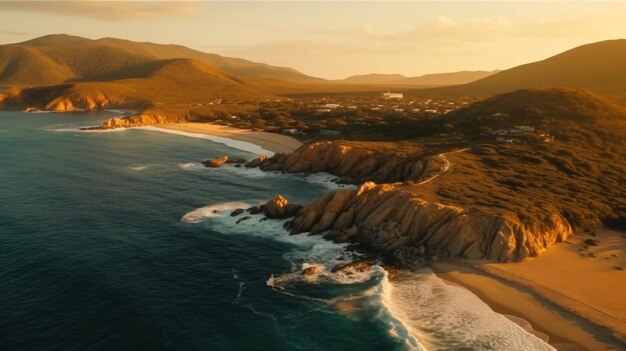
pixel 567 329
pixel 266 143
pixel 494 284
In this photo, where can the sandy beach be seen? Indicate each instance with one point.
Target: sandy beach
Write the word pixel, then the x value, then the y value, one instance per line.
pixel 269 141
pixel 573 292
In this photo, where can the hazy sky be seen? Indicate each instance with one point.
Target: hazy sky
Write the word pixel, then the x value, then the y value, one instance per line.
pixel 336 39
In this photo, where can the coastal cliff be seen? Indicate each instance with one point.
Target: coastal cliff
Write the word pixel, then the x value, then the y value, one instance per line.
pixel 355 165
pixel 392 220
pixel 63 98
pixel 140 120
pixel 396 211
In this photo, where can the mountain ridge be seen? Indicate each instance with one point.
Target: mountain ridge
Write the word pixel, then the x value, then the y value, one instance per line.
pixel 595 66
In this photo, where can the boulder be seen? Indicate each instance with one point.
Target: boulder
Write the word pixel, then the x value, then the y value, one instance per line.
pixel 352 267
pixel 257 162
pixel 255 209
pixel 236 160
pixel 237 212
pixel 216 162
pixel 275 208
pixel 310 271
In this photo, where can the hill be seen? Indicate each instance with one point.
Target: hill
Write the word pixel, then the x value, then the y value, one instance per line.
pixel 503 178
pixel 428 80
pixel 597 66
pixel 55 59
pixel 169 87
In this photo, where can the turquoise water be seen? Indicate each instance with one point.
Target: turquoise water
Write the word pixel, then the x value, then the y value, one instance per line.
pixel 95 256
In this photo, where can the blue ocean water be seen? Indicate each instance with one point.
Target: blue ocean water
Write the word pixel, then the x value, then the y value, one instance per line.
pixel 94 255
pixel 121 240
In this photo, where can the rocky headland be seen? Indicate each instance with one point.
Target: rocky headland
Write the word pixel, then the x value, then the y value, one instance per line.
pixel 354 165
pixel 395 219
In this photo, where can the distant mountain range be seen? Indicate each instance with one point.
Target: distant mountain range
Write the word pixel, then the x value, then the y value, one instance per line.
pixel 58 58
pixel 62 72
pixel 428 80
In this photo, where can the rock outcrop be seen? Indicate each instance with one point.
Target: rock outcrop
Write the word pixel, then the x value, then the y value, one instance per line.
pixel 358 266
pixel 353 165
pixel 392 221
pixel 216 162
pixel 257 162
pixel 140 120
pixel 277 208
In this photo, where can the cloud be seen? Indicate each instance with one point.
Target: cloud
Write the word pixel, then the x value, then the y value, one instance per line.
pixel 106 10
pixel 439 44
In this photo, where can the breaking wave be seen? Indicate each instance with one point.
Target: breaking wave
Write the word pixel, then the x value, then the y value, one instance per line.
pixel 212 211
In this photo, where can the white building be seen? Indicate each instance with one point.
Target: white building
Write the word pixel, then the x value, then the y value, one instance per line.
pixel 389 95
pixel 330 106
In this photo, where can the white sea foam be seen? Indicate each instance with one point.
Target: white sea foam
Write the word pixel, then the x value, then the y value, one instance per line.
pixel 212 211
pixel 321 178
pixel 140 168
pixel 191 166
pixel 40 111
pixel 327 180
pixel 79 130
pixel 122 112
pixel 235 144
pixel 321 274
pixel 444 317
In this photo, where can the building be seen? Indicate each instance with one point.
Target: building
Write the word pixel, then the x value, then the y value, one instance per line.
pixel 389 95
pixel 330 106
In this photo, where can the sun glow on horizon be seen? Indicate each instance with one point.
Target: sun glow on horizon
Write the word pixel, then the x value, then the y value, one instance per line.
pixel 336 39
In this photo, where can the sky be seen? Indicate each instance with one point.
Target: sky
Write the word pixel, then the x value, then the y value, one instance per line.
pixel 336 39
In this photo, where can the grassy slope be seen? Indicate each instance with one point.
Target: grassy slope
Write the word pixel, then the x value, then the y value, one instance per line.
pixel 597 66
pixel 165 86
pixel 582 173
pixel 62 57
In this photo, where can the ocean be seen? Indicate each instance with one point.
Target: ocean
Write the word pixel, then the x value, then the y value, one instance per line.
pixel 122 240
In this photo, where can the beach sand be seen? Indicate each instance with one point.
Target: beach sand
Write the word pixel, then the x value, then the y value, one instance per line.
pixel 577 299
pixel 269 141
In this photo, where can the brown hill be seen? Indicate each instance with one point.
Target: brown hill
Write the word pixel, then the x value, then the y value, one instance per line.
pixel 428 80
pixel 55 59
pixel 167 86
pixel 597 66
pixel 503 178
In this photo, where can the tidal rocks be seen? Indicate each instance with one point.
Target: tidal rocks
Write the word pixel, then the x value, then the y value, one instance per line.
pixel 389 219
pixel 352 267
pixel 237 212
pixel 216 162
pixel 257 162
pixel 255 209
pixel 310 271
pixel 236 160
pixel 277 208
